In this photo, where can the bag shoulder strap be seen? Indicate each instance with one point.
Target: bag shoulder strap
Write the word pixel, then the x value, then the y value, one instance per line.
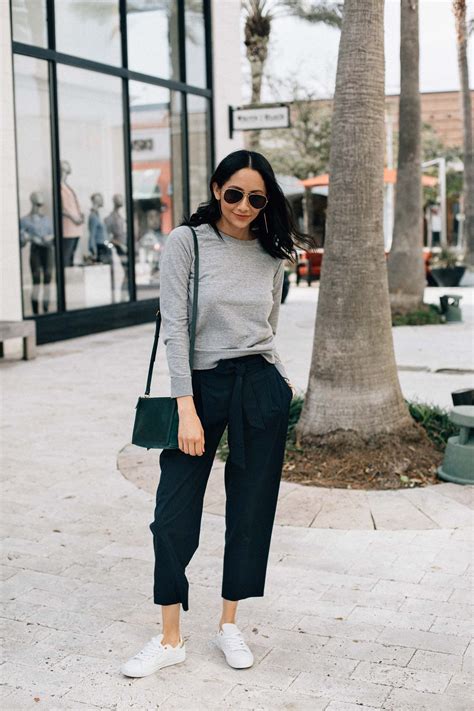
pixel 193 320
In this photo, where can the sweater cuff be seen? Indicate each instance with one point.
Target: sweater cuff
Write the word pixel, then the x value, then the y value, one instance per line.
pixel 181 385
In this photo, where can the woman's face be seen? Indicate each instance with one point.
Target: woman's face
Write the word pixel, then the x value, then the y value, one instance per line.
pixel 240 214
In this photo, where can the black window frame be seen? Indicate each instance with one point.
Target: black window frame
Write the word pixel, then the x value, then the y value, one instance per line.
pixel 63 324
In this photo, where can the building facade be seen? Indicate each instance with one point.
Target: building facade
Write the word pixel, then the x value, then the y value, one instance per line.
pixel 113 117
pixel 441 110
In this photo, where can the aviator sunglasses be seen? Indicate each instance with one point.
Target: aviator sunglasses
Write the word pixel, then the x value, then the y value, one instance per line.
pixel 234 195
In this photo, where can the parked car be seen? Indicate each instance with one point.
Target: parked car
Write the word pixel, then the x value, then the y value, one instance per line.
pixel 308 266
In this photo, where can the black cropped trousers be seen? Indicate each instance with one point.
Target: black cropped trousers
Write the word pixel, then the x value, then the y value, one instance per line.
pixel 250 396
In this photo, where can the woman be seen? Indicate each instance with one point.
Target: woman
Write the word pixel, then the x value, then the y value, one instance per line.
pixel 244 235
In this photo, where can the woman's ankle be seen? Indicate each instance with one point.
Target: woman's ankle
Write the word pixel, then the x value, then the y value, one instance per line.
pixel 223 622
pixel 171 638
pixel 228 612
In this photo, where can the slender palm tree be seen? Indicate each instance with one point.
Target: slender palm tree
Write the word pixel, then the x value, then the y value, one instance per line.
pixel 459 8
pixel 353 382
pixel 259 15
pixel 406 272
pixel 258 26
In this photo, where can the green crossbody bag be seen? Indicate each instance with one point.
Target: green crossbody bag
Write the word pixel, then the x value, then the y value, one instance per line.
pixel 156 418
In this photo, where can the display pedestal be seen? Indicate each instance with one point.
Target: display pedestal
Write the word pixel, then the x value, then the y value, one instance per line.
pixel 89 285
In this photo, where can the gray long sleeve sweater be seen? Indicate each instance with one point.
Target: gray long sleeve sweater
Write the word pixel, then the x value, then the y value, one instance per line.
pixel 240 287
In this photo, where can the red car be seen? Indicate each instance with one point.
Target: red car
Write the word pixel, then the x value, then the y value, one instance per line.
pixel 308 266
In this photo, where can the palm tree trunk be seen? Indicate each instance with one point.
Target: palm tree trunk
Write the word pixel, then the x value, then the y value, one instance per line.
pixel 257 66
pixel 459 7
pixel 257 31
pixel 406 272
pixel 353 383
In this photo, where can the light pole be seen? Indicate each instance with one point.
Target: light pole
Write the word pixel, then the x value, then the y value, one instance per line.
pixel 441 163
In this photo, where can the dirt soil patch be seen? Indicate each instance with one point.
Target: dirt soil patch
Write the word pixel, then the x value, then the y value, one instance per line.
pixel 346 460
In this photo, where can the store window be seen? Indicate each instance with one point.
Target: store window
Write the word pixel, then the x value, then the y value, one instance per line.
pixel 91 145
pixel 198 150
pixel 35 199
pixel 177 156
pixel 152 38
pixel 29 22
pixel 82 245
pixel 89 29
pixel 195 43
pixel 155 120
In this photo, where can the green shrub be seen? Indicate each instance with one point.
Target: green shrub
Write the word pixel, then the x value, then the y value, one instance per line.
pixel 435 421
pixel 420 317
pixel 295 411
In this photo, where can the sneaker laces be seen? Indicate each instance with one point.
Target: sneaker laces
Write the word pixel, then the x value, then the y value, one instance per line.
pixel 150 649
pixel 236 642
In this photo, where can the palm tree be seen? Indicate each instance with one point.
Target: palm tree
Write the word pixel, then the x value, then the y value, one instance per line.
pixel 258 25
pixel 459 8
pixel 406 272
pixel 353 383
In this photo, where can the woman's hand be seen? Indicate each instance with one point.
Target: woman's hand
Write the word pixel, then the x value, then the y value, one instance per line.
pixel 190 431
pixel 293 389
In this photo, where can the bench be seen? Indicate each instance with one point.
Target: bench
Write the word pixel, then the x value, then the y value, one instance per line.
pixel 19 329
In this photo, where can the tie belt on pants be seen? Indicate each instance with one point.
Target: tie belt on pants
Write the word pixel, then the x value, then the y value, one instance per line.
pixel 242 366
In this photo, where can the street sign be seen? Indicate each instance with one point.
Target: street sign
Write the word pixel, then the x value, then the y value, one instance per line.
pixel 251 118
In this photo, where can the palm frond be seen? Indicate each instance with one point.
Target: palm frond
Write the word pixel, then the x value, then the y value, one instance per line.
pixel 315 11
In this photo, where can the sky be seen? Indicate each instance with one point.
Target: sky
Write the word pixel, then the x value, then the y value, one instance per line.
pixel 298 48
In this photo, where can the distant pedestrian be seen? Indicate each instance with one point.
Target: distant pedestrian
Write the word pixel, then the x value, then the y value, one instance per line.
pixel 435 219
pixel 456 213
pixel 245 232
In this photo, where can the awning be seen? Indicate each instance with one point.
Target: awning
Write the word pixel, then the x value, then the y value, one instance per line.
pixel 389 177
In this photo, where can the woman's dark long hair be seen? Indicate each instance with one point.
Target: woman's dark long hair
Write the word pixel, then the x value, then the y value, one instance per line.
pixel 282 236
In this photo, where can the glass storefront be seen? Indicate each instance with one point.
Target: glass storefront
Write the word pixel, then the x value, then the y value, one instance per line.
pixel 108 161
pixel 37 243
pixel 199 149
pixel 153 38
pixel 195 43
pixel 89 29
pixel 156 172
pixel 29 22
pixel 92 188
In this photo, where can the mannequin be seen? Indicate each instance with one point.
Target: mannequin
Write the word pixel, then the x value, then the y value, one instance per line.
pixel 115 224
pixel 116 228
pixel 37 228
pixel 152 241
pixel 97 230
pixel 73 217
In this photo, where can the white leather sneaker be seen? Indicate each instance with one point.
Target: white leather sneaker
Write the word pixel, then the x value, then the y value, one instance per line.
pixel 231 641
pixel 154 656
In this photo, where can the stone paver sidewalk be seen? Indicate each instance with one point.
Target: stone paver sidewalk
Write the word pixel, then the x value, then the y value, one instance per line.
pixel 439 506
pixel 351 618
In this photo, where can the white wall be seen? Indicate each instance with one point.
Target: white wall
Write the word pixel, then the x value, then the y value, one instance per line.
pixel 227 77
pixel 10 280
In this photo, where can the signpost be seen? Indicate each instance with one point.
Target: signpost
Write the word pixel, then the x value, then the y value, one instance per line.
pixel 251 118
